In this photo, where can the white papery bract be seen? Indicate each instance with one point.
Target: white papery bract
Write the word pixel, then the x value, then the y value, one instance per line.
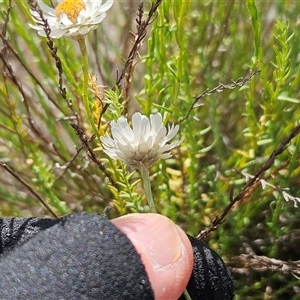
pixel 71 18
pixel 145 143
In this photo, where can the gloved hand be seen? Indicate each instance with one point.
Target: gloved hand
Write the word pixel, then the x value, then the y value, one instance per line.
pixel 86 256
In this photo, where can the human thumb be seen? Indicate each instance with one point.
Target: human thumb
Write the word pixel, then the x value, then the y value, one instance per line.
pixel 165 250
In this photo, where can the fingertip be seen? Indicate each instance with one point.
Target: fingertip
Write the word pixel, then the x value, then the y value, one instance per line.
pixel 165 251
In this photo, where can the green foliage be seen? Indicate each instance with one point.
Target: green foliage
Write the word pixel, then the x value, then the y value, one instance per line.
pixel 45 180
pixel 190 47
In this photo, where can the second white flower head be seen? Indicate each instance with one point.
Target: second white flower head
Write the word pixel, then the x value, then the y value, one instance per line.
pixel 146 142
pixel 71 18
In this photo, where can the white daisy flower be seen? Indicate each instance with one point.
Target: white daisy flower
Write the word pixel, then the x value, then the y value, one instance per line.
pixel 72 18
pixel 145 143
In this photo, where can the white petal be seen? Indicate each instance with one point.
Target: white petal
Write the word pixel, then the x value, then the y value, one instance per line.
pixel 36 27
pixel 42 33
pixel 144 147
pixel 121 128
pixel 165 155
pixel 156 122
pixel 83 17
pixel 65 21
pixel 34 14
pixel 110 153
pixel 137 123
pixel 98 19
pixel 126 150
pixel 56 34
pixel 169 147
pixel 149 141
pixel 160 136
pixel 107 141
pixel 123 154
pixel 83 30
pixel 89 7
pixel 106 6
pixel 73 30
pixel 47 9
pixel 172 132
pixel 145 128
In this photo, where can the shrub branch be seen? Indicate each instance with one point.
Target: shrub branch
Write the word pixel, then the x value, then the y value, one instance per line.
pixel 247 263
pixel 43 21
pixel 128 68
pixel 219 89
pixel 14 174
pixel 85 142
pixel 250 186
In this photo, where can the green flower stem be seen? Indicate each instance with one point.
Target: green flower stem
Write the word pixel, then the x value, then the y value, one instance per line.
pixel 147 187
pixel 85 66
pixel 187 295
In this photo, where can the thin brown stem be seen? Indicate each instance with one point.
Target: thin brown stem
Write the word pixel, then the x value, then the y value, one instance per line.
pixel 14 174
pixel 250 186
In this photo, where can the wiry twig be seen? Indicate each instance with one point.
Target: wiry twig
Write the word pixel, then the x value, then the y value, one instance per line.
pixel 6 20
pixel 43 21
pixel 12 76
pixel 85 141
pixel 287 197
pixel 249 263
pixel 250 186
pixel 128 75
pixel 219 89
pixel 6 47
pixel 107 209
pixel 13 173
pixel 3 50
pixel 139 38
pixel 141 33
pixel 67 166
pixel 30 72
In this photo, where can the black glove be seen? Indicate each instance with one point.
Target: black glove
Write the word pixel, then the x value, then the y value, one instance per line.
pixel 84 256
pixel 210 279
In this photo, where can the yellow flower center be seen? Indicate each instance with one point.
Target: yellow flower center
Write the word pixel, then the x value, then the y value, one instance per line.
pixel 71 8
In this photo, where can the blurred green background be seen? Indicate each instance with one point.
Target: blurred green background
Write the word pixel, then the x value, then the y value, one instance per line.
pixel 190 46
